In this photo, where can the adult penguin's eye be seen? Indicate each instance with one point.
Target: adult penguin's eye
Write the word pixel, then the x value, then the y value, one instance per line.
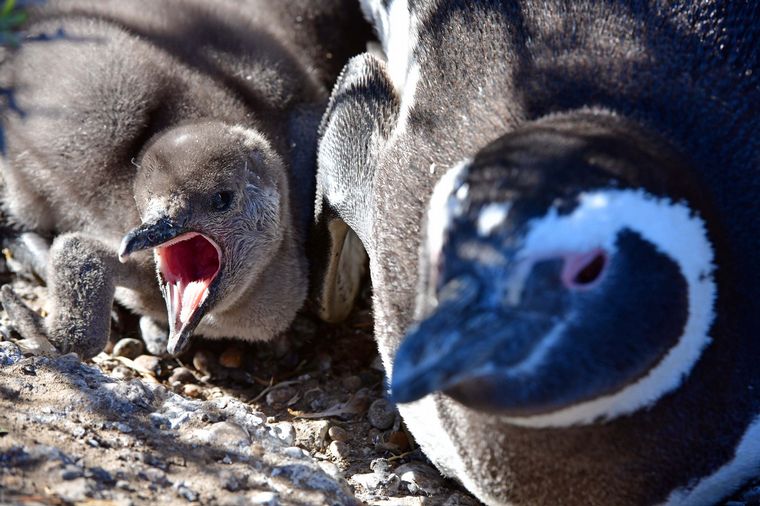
pixel 221 201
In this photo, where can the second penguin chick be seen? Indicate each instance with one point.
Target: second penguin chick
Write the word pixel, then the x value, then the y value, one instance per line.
pixel 214 211
pixel 175 126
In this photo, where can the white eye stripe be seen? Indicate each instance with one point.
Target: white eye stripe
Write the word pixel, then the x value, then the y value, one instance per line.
pixel 675 231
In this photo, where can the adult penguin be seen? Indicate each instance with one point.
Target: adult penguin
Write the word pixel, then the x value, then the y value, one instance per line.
pixel 558 202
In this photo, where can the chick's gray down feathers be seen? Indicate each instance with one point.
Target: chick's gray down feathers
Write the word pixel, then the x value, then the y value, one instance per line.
pixel 99 81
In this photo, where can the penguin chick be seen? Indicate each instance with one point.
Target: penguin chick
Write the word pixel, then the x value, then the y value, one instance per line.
pixel 213 209
pixel 176 126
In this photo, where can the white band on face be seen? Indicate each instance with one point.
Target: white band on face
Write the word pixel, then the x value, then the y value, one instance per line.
pixel 676 232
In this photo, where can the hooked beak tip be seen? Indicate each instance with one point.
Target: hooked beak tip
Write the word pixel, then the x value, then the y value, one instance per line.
pixel 177 344
pixel 123 255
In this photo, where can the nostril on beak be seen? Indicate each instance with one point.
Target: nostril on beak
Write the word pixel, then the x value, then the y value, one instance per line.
pixel 584 270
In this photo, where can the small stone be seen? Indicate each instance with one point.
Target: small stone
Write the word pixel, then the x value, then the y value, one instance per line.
pixel 192 391
pixel 352 383
pixel 232 482
pixel 204 362
pixel 399 440
pixel 381 414
pixel 153 461
pixel 186 492
pixel 313 433
pixel 71 472
pixel 338 434
pixel 72 491
pixel 419 477
pixel 101 475
pixel 285 432
pixel 331 470
pixel 380 466
pixel 263 498
pixel 369 481
pixel 129 348
pixel 181 375
pixel 232 357
pixel 339 449
pixel 227 435
pixel 150 363
pixel 280 396
pixel 122 372
pixel 155 476
pixel 295 452
pixel 9 353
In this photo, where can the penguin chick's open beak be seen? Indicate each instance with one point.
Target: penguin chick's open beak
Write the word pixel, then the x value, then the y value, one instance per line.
pixel 188 264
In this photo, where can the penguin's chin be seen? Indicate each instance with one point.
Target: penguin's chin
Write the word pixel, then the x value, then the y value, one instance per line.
pixel 189 267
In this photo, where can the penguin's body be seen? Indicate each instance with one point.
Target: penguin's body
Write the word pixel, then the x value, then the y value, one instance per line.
pixel 105 86
pixel 558 204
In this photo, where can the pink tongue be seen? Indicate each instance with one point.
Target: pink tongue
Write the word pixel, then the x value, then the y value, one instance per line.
pixel 188 266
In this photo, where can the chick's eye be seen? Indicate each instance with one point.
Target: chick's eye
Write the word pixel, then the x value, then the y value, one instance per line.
pixel 221 201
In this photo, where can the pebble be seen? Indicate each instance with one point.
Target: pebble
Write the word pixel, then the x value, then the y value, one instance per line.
pixel 379 480
pixel 226 434
pixel 339 449
pixel 381 414
pixel 203 361
pixel 399 440
pixel 149 362
pixel 314 432
pixel 352 383
pixel 232 357
pixel 9 353
pixel 419 477
pixel 129 348
pixel 263 498
pixel 122 372
pixel 380 466
pixel 192 391
pixel 181 375
pixel 370 481
pixel 101 475
pixel 338 434
pixel 71 472
pixel 186 492
pixel 331 470
pixel 153 461
pixel 284 431
pixel 124 485
pixel 232 482
pixel 295 452
pixel 154 475
pixel 279 396
pixel 73 491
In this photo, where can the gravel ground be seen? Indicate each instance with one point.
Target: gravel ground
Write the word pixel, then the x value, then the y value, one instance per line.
pixel 302 420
